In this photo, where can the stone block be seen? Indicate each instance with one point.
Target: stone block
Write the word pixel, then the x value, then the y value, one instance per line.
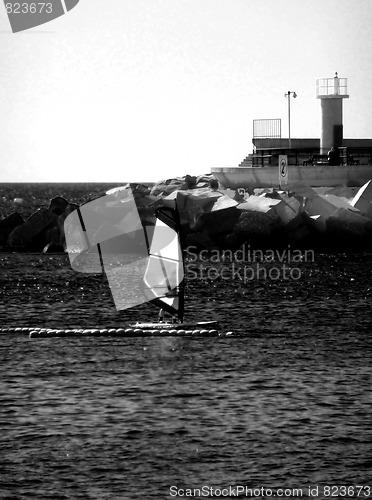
pixel 349 225
pixel 318 209
pixel 200 240
pixel 7 225
pixel 363 200
pixel 164 189
pixel 258 224
pixel 218 222
pixel 28 234
pixel 289 211
pixel 302 189
pixel 343 191
pixel 258 204
pixel 223 202
pixel 58 205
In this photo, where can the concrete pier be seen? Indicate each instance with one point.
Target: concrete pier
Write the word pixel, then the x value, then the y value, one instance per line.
pixel 314 176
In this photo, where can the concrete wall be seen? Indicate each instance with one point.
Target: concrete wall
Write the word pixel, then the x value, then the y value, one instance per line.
pixel 316 176
pixel 282 143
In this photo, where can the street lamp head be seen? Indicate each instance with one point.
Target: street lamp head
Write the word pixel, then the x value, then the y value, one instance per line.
pixel 294 94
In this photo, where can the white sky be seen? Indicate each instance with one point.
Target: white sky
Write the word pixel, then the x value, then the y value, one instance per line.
pixel 142 90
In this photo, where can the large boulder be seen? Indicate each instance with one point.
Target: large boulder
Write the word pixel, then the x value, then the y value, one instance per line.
pixel 164 188
pixel 289 210
pixel 140 189
pixel 207 180
pixel 262 191
pixel 218 222
pixel 223 202
pixel 343 191
pixel 363 200
pixel 118 190
pixel 202 197
pixel 213 184
pixel 7 225
pixel 55 236
pixel 339 202
pixel 257 227
pixel 299 234
pixel 70 208
pixel 188 182
pixel 321 207
pixel 258 223
pixel 191 203
pixel 136 189
pixel 303 190
pixel 198 240
pixel 232 193
pixel 31 234
pixel 58 205
pixel 233 241
pixel 258 204
pixel 349 229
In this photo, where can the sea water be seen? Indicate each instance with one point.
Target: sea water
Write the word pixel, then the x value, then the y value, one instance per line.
pixel 285 403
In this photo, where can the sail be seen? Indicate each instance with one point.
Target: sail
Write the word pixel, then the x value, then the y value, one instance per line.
pixel 363 200
pixel 165 272
pixel 141 259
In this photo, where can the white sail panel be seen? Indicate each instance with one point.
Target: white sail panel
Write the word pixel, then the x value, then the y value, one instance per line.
pixel 162 276
pixel 165 267
pixel 171 301
pixel 165 242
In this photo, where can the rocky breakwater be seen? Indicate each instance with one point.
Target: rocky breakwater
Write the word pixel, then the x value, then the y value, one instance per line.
pixel 334 219
pixel 216 218
pixel 42 231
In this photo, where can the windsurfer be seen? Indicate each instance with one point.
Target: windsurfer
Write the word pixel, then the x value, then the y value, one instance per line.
pixel 162 315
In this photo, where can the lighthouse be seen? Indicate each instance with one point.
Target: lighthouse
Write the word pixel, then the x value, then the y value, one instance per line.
pixel 331 92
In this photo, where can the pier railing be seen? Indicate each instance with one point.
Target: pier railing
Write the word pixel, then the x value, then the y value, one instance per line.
pixel 306 159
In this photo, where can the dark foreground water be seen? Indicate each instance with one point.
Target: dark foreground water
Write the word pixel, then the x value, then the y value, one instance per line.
pixel 287 403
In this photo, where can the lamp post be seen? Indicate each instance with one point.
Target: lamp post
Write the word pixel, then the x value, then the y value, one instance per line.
pixel 288 94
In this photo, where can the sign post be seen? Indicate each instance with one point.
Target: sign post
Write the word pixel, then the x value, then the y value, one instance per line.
pixel 283 171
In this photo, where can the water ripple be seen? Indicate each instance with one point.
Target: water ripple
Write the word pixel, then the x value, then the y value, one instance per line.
pixel 287 404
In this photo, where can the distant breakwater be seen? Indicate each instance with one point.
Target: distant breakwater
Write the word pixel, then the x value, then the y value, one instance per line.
pixel 213 218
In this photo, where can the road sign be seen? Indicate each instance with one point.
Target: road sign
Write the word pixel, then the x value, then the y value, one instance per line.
pixel 283 170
